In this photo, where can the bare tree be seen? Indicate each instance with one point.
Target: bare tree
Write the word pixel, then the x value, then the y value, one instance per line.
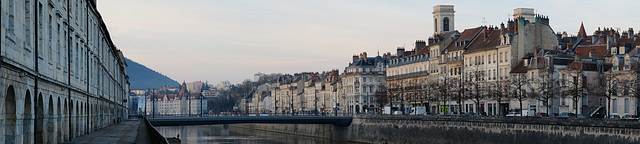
pixel 382 95
pixel 519 82
pixel 500 90
pixel 547 87
pixel 443 90
pixel 475 88
pixel 607 87
pixel 573 88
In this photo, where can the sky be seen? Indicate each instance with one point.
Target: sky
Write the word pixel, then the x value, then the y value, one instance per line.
pixel 216 40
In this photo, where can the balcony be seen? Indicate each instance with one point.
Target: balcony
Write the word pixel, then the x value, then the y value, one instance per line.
pixel 365 73
pixel 409 75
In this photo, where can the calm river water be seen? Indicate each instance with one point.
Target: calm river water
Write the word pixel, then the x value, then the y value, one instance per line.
pixel 219 134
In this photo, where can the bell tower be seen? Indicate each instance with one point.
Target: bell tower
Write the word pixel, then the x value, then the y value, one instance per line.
pixel 443 20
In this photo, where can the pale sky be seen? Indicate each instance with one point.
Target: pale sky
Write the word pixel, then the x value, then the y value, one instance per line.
pixel 215 40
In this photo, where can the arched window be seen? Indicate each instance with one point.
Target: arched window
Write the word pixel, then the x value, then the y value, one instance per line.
pixel 445 24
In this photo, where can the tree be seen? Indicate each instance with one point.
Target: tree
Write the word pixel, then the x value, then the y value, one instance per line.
pixel 572 87
pixel 547 86
pixel 475 87
pixel 500 90
pixel 518 82
pixel 382 95
pixel 443 90
pixel 607 87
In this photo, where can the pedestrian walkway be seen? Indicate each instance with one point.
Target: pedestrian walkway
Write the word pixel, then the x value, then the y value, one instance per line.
pixel 125 132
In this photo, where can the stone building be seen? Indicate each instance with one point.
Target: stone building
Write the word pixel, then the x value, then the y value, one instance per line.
pixel 360 81
pixel 62 76
pixel 184 103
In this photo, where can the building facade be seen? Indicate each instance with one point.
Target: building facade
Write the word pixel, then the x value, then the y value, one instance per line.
pixel 361 80
pixel 184 103
pixel 62 75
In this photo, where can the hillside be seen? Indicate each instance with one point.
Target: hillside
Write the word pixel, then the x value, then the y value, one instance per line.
pixel 142 77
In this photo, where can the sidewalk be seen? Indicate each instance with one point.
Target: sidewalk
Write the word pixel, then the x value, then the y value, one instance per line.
pixel 121 133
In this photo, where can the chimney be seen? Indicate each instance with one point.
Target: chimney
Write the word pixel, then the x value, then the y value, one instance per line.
pixel 484 33
pixel 501 26
pixel 631 33
pixel 510 24
pixel 420 44
pixel 364 56
pixel 355 58
pixel 400 52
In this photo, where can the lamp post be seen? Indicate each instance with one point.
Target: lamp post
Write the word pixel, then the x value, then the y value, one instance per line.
pixel 153 109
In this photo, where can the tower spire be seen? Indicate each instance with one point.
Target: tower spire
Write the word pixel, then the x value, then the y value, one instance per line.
pixel 582 32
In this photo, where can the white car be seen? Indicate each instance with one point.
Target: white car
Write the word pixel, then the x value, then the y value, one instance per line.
pixel 397 112
pixel 511 114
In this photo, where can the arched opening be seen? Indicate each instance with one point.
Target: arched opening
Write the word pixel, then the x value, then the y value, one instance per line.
pixel 445 24
pixel 59 121
pixel 72 124
pixel 51 125
pixel 65 124
pixel 39 126
pixel 10 116
pixel 364 108
pixel 27 119
pixel 76 124
pixel 357 108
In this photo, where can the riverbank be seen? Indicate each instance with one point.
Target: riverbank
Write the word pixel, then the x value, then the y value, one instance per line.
pixel 464 129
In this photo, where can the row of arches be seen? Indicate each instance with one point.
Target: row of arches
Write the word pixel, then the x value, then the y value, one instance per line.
pixel 28 118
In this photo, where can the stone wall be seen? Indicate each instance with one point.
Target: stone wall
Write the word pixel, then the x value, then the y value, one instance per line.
pixel 443 129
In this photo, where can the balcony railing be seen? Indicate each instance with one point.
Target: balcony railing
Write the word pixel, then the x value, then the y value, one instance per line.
pixel 408 75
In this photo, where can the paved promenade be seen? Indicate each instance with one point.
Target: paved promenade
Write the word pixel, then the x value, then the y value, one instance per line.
pixel 125 132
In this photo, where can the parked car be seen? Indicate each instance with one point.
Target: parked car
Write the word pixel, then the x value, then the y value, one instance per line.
pixel 397 112
pixel 614 117
pixel 566 114
pixel 540 114
pixel 553 115
pixel 582 116
pixel 630 117
pixel 511 114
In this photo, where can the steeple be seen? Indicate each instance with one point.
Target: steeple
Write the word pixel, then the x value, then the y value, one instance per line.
pixel 582 32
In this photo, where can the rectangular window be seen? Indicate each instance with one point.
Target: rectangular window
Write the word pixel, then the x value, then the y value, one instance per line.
pixel 615 106
pixel 626 105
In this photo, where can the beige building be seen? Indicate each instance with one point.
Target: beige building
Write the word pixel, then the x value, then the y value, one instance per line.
pixel 360 81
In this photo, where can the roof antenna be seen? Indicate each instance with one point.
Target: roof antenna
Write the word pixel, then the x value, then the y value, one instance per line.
pixel 378 50
pixel 484 21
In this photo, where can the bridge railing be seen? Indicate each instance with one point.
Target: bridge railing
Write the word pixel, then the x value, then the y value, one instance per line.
pixel 249 114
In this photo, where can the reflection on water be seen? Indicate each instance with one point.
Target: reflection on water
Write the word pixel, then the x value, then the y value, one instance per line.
pixel 220 134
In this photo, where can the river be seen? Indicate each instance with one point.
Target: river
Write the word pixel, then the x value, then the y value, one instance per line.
pixel 221 134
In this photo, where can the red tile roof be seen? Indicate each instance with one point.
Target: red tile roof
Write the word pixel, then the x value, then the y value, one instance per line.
pixel 481 43
pixel 467 34
pixel 584 51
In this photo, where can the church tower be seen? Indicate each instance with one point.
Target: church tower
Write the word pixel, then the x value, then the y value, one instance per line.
pixel 443 18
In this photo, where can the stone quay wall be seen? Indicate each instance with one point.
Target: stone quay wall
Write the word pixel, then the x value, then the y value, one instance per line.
pixel 463 129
